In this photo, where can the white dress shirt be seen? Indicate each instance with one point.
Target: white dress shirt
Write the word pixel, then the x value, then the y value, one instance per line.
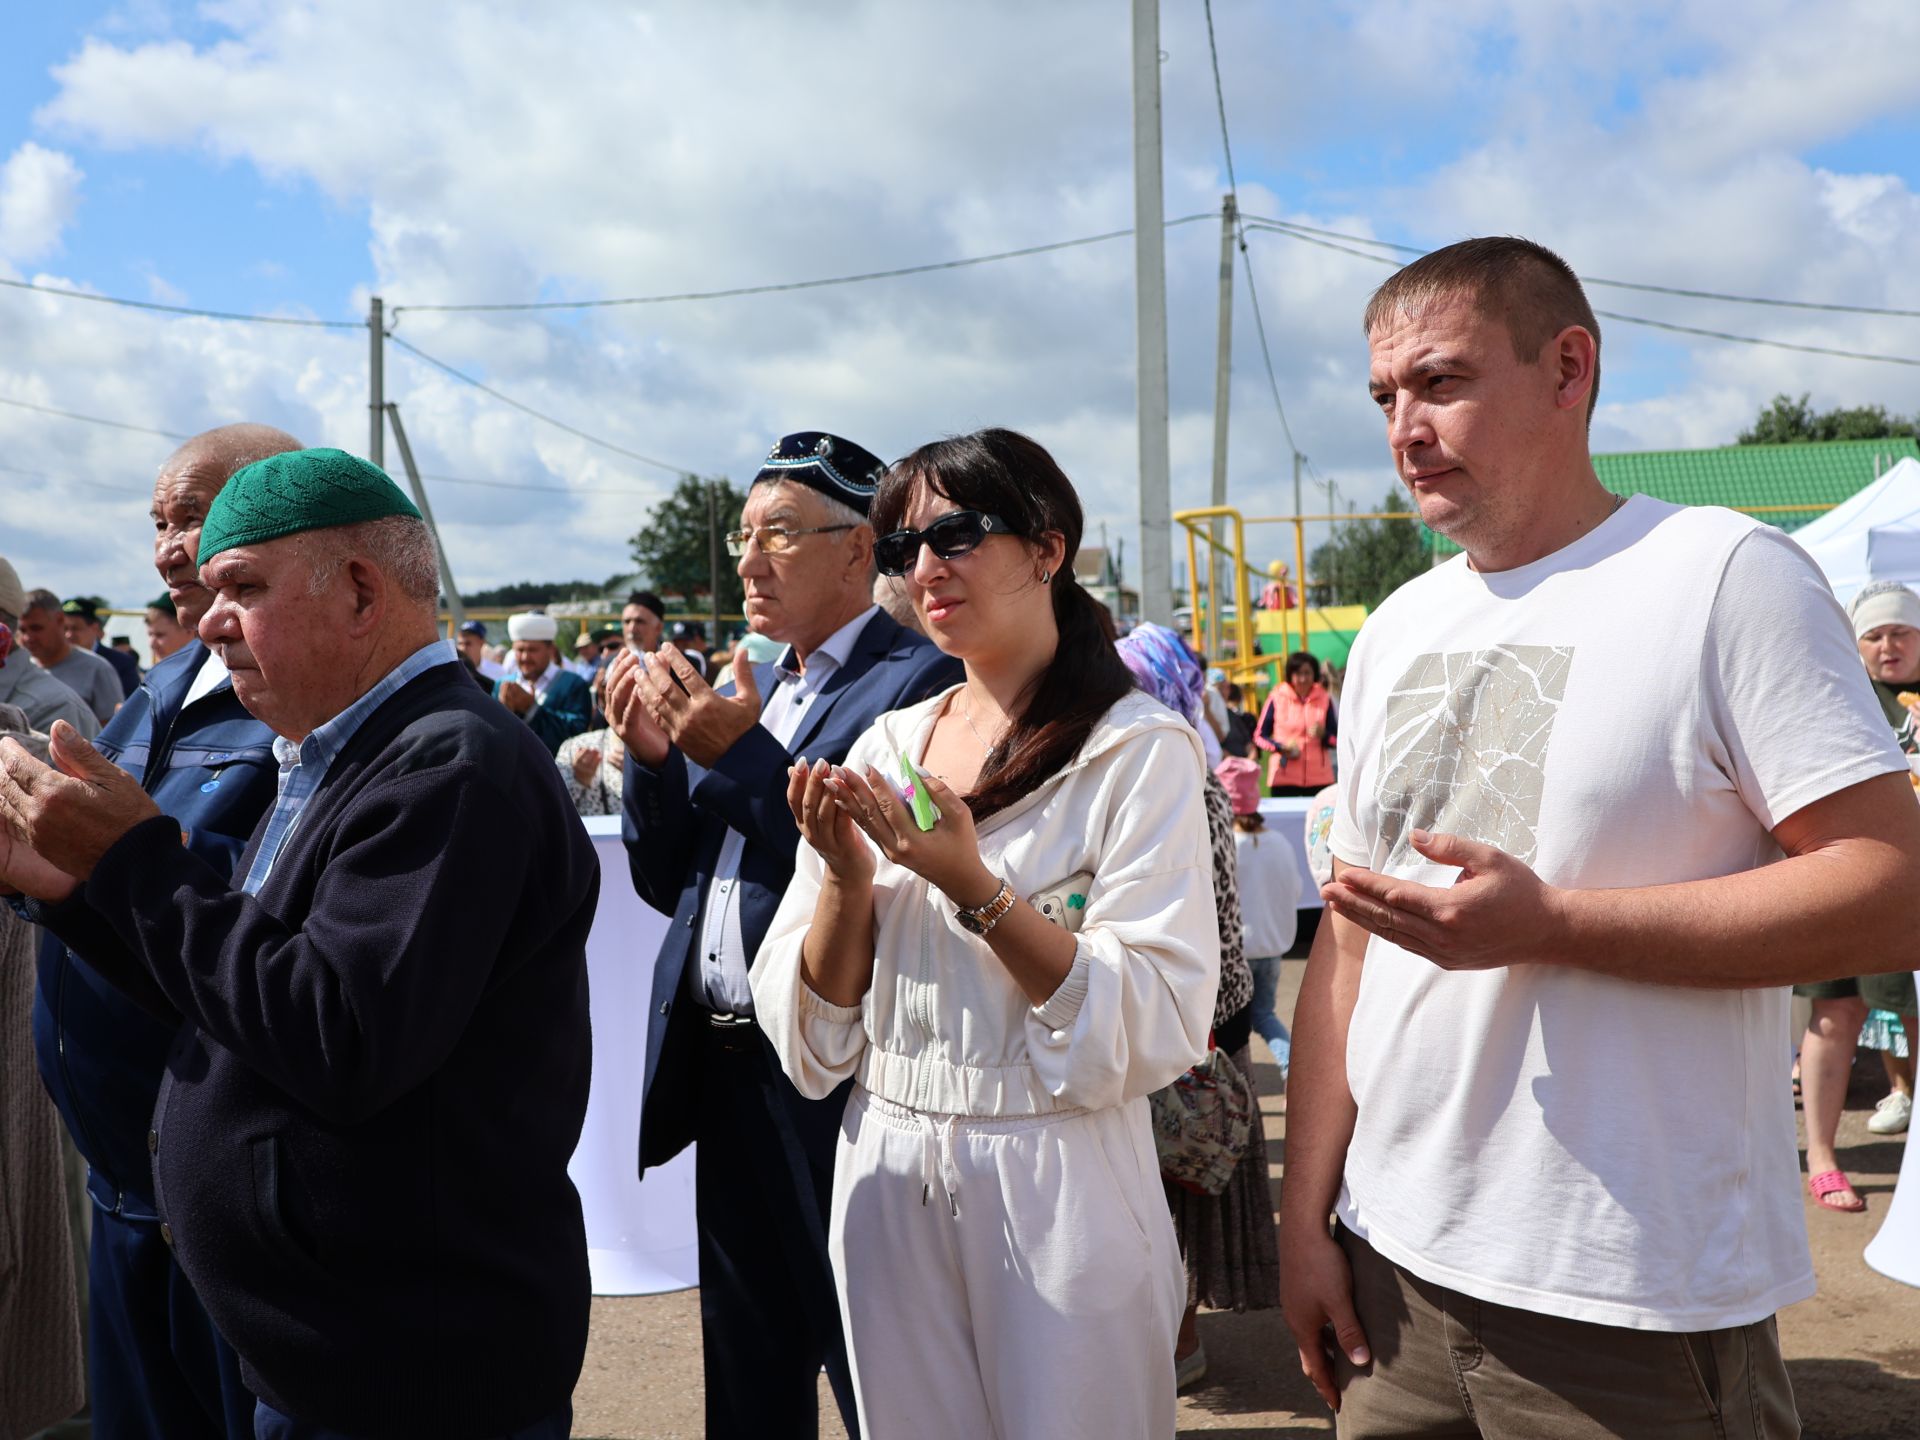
pixel 720 979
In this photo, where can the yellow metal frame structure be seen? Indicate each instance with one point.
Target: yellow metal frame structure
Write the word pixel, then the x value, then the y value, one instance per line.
pixel 1207 634
pixel 1207 628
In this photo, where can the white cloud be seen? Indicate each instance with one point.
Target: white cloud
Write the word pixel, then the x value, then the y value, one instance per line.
pixel 586 150
pixel 39 192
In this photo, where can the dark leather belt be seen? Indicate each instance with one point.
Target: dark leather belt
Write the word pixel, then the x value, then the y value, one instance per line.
pixel 731 1034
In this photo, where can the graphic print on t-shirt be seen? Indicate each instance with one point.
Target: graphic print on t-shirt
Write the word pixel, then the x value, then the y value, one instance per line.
pixel 1465 747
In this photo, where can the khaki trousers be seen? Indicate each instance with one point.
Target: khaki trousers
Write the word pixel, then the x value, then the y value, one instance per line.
pixel 1445 1364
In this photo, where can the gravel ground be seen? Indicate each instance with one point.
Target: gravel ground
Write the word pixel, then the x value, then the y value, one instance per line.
pixel 1853 1350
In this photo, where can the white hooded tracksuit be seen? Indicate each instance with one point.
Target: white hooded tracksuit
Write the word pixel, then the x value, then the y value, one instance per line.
pixel 1005 1259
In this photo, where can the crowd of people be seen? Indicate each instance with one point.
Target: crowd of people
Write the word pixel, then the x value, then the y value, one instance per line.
pixel 972 918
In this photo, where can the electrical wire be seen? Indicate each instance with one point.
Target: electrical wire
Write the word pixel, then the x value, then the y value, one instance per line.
pixel 772 289
pixel 175 435
pixel 125 492
pixel 562 490
pixel 1678 329
pixel 540 415
pixel 91 419
pixel 1287 226
pixel 1220 102
pixel 66 294
pixel 1240 238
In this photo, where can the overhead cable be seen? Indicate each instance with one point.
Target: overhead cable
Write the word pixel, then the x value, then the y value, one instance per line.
pixel 1277 229
pixel 91 419
pixel 530 485
pixel 1240 238
pixel 736 291
pixel 540 415
pixel 1289 226
pixel 65 294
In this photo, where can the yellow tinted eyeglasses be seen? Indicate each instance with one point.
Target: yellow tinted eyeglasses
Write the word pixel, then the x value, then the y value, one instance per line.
pixel 772 539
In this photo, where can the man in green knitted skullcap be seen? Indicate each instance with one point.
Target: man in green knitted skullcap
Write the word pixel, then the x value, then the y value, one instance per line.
pixel 404 1066
pixel 300 490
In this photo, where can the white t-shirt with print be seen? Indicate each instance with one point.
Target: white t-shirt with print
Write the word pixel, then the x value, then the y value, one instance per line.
pixel 1641 707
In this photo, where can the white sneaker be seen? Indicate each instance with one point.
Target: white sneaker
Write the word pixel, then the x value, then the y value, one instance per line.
pixel 1892 1115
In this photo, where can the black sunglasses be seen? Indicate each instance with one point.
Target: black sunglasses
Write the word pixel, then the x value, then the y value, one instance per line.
pixel 948 536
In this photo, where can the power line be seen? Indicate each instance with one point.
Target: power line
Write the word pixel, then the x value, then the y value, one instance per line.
pixel 125 492
pixel 540 415
pixel 817 284
pixel 173 435
pixel 1220 102
pixel 530 485
pixel 64 293
pixel 1240 235
pixel 131 304
pixel 1291 226
pixel 91 419
pixel 1762 341
pixel 1757 340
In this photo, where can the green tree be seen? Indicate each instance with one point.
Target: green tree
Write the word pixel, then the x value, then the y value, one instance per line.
pixel 673 550
pixel 1787 421
pixel 1367 560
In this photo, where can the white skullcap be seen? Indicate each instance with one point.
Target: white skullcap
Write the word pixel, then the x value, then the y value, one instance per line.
pixel 1884 602
pixel 532 625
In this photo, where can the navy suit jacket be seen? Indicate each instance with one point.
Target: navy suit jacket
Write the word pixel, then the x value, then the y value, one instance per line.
pixel 676 818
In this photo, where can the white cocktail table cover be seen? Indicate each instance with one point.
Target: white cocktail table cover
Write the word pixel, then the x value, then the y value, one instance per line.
pixel 640 1235
pixel 1895 1249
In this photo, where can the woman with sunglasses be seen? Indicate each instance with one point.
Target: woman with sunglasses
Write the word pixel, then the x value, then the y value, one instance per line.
pixel 1005 987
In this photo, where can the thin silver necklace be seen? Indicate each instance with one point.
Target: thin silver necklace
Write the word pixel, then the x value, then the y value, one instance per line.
pixel 967 715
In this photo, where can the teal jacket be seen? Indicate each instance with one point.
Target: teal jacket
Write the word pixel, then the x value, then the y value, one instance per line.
pixel 566 709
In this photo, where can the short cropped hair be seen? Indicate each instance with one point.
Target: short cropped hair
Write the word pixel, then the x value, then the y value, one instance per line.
pixel 837 512
pixel 1526 286
pixel 399 546
pixel 42 600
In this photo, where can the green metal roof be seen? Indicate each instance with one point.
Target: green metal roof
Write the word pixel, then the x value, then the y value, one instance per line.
pixel 1816 474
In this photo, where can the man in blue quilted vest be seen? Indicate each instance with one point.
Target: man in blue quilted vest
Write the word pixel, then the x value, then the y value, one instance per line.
pixel 159 1367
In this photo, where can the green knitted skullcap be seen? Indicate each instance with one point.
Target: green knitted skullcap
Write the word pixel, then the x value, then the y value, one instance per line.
pixel 300 490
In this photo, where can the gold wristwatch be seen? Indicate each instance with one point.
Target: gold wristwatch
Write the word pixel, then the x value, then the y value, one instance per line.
pixel 979 919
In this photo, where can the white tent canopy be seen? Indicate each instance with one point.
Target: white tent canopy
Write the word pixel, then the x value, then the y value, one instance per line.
pixel 1873 536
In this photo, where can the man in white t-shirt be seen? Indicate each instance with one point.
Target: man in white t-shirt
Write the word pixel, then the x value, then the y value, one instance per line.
pixel 1614 779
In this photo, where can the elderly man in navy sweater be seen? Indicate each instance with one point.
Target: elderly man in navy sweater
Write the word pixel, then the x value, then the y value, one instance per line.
pixel 360 1146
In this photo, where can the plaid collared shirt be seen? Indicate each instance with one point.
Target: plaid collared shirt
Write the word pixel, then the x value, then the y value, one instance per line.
pixel 304 766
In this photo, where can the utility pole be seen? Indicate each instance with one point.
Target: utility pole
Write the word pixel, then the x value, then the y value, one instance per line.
pixel 454 607
pixel 377 386
pixel 1222 384
pixel 1150 321
pixel 1299 549
pixel 713 561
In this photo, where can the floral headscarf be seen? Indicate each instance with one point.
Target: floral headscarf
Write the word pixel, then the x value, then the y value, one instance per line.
pixel 1165 668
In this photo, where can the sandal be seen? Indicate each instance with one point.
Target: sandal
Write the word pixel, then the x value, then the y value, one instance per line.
pixel 1834 1182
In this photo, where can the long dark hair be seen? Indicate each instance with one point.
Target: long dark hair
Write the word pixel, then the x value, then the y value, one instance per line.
pixel 1006 474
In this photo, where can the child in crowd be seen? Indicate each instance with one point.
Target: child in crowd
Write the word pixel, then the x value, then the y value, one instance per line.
pixel 1269 900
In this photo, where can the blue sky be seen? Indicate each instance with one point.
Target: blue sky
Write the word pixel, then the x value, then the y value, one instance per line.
pixel 174 225
pixel 287 157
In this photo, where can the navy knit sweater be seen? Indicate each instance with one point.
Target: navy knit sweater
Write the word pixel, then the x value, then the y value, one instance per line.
pixel 360 1148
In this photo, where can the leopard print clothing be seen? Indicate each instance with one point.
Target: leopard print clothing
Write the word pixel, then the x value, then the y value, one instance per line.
pixel 1236 976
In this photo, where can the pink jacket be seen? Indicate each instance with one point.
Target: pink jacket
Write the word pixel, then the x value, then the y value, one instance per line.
pixel 1287 719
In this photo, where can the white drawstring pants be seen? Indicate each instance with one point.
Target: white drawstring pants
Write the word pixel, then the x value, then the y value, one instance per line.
pixel 1005 1278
